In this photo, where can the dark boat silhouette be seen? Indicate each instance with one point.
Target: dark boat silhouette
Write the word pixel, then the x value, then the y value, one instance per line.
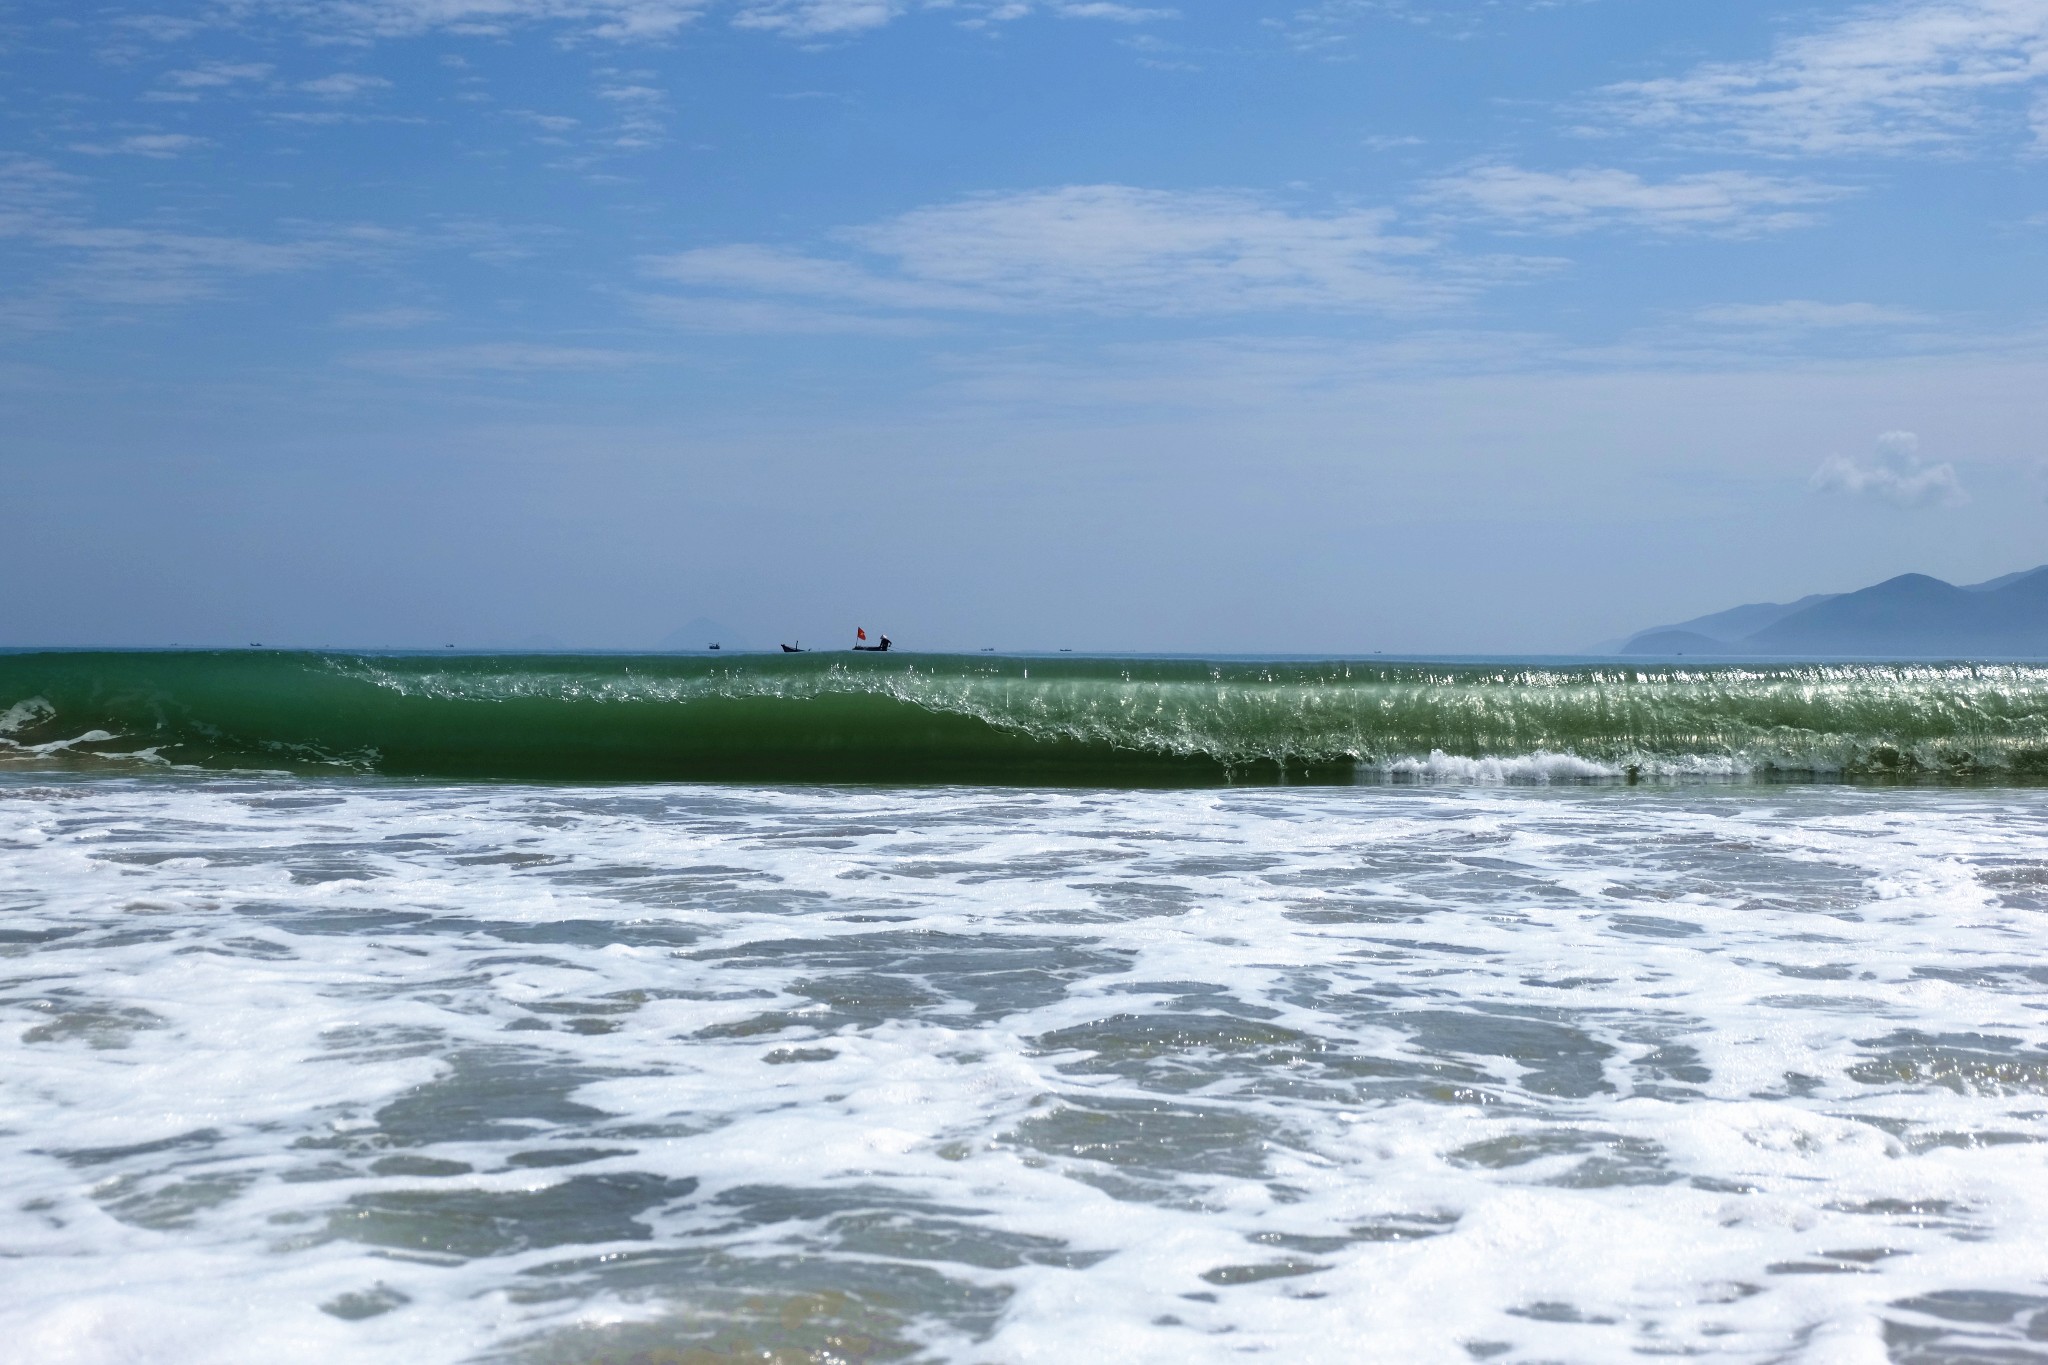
pixel 797 648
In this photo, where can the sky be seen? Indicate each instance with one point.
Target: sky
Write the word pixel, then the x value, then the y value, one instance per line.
pixel 1327 325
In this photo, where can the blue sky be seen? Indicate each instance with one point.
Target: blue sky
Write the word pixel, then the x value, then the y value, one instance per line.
pixel 1364 324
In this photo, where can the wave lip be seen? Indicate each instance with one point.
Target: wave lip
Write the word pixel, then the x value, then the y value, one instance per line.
pixel 1494 769
pixel 984 719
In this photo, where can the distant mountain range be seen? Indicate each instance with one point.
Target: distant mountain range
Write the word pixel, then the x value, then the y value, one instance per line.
pixel 1911 616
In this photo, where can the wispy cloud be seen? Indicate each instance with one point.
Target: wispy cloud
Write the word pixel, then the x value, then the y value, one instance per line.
pixel 1807 314
pixel 642 107
pixel 388 319
pixel 1329 28
pixel 491 243
pixel 344 85
pixel 773 317
pixel 33 194
pixel 817 18
pixel 86 266
pixel 1116 14
pixel 660 20
pixel 217 75
pixel 1886 79
pixel 552 125
pixel 158 28
pixel 158 146
pixel 362 19
pixel 1725 203
pixel 497 357
pixel 121 265
pixel 1896 475
pixel 814 19
pixel 1106 249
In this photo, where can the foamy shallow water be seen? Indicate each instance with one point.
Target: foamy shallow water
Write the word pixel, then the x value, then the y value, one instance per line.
pixel 364 1071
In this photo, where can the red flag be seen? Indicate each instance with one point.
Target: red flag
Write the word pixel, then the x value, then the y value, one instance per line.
pixel 859 634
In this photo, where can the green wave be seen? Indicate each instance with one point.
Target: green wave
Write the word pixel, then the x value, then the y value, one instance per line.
pixel 925 718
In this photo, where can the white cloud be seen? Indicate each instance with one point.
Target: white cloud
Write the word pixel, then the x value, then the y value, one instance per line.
pixel 361 19
pixel 642 110
pixel 657 20
pixel 1098 249
pixel 1116 14
pixel 817 18
pixel 1807 314
pixel 217 75
pixel 1888 78
pixel 159 146
pixel 981 13
pixel 331 118
pixel 1896 474
pixel 1727 203
pixel 547 123
pixel 1123 248
pixel 344 85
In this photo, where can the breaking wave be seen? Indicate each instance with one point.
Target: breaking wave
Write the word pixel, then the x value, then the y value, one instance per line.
pixel 953 718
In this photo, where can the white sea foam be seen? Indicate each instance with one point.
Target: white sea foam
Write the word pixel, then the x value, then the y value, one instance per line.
pixel 1428 1074
pixel 22 714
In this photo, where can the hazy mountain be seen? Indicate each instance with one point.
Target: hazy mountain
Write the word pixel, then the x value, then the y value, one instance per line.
pixel 1992 583
pixel 1732 624
pixel 1912 616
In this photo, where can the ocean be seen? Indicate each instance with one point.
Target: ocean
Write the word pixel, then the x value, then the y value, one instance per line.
pixel 574 1009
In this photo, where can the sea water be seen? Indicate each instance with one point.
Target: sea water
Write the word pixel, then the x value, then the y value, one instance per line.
pixel 1521 1063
